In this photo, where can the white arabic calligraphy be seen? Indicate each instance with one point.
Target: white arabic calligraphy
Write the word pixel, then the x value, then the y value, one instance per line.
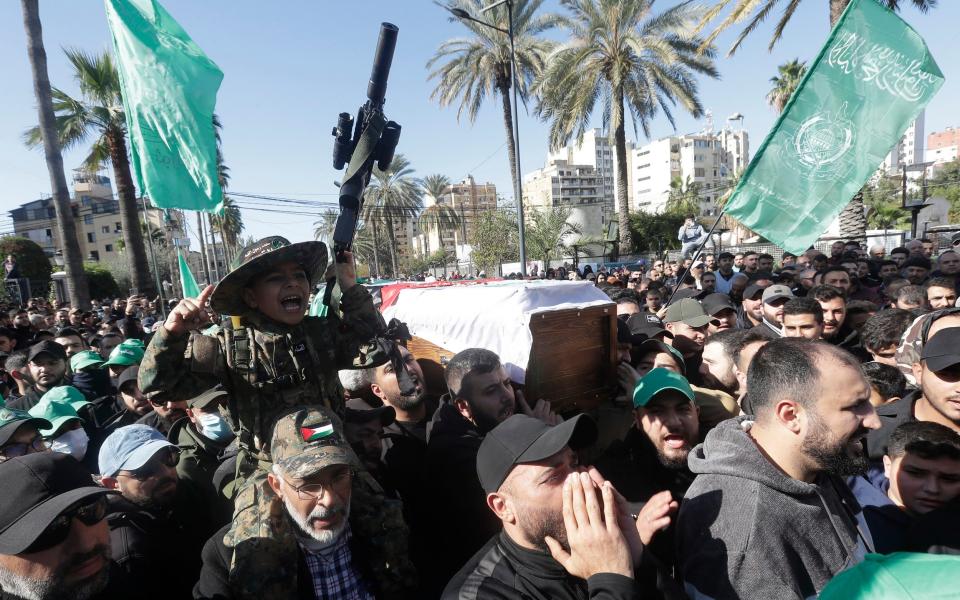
pixel 889 70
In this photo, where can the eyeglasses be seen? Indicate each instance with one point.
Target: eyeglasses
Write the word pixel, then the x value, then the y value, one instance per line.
pixel 166 458
pixel 716 322
pixel 314 491
pixel 22 449
pixel 90 512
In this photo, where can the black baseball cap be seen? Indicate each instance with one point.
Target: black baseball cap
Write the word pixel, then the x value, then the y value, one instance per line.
pixel 47 347
pixel 386 414
pixel 942 351
pixel 522 439
pixel 716 302
pixel 37 488
pixel 129 374
pixel 646 325
pixel 753 289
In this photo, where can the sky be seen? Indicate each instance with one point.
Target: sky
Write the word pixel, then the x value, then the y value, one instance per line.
pixel 290 67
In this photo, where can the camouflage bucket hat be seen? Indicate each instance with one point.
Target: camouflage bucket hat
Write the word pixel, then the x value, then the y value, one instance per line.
pixel 308 440
pixel 227 298
pixel 913 339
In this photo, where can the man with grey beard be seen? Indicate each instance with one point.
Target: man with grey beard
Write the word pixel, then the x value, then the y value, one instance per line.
pixel 313 547
pixel 54 541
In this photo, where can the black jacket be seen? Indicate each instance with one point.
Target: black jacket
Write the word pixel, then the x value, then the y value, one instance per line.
pixel 200 457
pixel 891 415
pixel 502 570
pixel 457 498
pixel 632 466
pixel 146 543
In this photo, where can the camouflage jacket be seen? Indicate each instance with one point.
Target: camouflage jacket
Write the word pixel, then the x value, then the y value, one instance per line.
pixel 267 367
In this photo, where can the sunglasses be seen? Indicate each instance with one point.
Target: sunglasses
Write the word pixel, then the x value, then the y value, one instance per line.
pixel 167 458
pixel 15 450
pixel 90 512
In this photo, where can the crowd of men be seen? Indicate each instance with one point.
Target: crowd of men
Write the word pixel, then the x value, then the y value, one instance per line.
pixel 773 424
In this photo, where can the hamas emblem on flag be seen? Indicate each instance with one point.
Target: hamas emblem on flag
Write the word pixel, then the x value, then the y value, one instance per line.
pixel 820 146
pixel 312 434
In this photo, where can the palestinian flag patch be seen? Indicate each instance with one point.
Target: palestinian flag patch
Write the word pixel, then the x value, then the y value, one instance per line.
pixel 312 434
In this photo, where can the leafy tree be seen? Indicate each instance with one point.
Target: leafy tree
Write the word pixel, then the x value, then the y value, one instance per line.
pixel 785 83
pixel 946 184
pixel 31 259
pixel 100 114
pixel 758 10
pixel 393 197
pixel 102 283
pixel 470 70
pixel 324 226
pixel 655 233
pixel 684 198
pixel 494 239
pixel 629 61
pixel 435 185
pixel 440 217
pixel 547 233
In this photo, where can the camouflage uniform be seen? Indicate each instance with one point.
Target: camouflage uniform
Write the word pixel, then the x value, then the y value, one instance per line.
pixel 276 368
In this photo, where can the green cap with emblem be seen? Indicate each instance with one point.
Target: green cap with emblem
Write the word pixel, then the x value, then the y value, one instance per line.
pixel 659 380
pixel 127 353
pixel 308 440
pixel 66 394
pixel 87 358
pixel 56 413
pixel 227 298
pixel 11 420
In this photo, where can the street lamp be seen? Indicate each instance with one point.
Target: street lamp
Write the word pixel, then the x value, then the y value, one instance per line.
pixel 517 189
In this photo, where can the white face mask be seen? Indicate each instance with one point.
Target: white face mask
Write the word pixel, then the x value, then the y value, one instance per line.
pixel 214 427
pixel 73 442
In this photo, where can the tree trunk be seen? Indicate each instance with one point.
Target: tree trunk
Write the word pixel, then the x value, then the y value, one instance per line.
pixel 620 143
pixel 392 237
pixel 511 143
pixel 129 218
pixel 77 288
pixel 836 9
pixel 376 249
pixel 203 248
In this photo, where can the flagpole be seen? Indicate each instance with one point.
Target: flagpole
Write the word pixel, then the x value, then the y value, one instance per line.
pixel 153 255
pixel 696 254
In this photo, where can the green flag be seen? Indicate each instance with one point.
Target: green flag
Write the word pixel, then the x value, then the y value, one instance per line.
pixel 169 89
pixel 190 287
pixel 871 79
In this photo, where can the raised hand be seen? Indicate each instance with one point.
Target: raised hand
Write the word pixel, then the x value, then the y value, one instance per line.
pixel 346 270
pixel 190 314
pixel 656 515
pixel 596 543
pixel 541 410
pixel 628 377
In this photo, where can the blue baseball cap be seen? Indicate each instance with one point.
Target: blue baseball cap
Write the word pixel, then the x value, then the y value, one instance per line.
pixel 659 380
pixel 129 448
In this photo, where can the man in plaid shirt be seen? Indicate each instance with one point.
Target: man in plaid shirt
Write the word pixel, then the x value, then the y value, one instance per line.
pixel 316 553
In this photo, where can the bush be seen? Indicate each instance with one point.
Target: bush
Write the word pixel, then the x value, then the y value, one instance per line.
pixel 32 260
pixel 655 233
pixel 101 281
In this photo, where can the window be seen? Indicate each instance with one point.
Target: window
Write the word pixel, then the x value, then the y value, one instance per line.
pixel 88 219
pixel 49 233
pixel 105 229
pixel 643 178
pixel 118 226
pixel 698 172
pixel 85 200
pixel 94 255
pixel 108 247
pixel 91 237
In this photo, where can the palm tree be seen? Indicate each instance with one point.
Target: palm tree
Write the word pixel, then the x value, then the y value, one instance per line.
pixel 760 9
pixel 324 226
pixel 442 218
pixel 230 226
pixel 78 290
pixel 887 215
pixel 392 197
pixel 547 232
pixel 785 82
pixel 100 113
pixel 684 197
pixel 625 58
pixel 468 70
pixel 435 186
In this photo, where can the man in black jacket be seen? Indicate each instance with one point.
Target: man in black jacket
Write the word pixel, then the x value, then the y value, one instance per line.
pixel 549 509
pixel 156 519
pixel 54 541
pixel 481 397
pixel 47 364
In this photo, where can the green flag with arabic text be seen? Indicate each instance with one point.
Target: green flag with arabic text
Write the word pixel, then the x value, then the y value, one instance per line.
pixel 869 82
pixel 169 89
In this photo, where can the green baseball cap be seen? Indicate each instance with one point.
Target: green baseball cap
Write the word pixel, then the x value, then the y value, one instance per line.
pixel 66 394
pixel 656 381
pixel 308 440
pixel 898 576
pixel 84 359
pixel 56 413
pixel 11 420
pixel 687 311
pixel 127 353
